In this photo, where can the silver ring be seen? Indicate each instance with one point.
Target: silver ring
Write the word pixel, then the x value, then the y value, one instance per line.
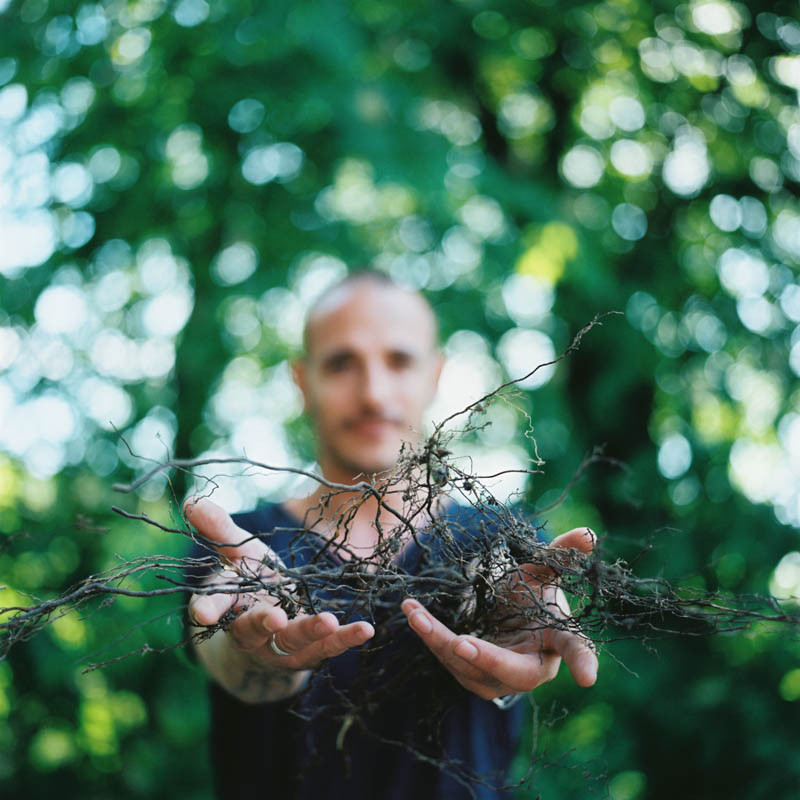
pixel 276 649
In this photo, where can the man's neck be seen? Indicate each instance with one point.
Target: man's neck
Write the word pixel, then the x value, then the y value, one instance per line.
pixel 358 520
pixel 353 519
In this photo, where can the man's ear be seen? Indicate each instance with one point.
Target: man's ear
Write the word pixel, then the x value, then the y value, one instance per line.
pixel 299 375
pixel 438 364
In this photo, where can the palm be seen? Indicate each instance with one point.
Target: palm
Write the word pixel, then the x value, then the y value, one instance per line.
pixel 257 617
pixel 533 633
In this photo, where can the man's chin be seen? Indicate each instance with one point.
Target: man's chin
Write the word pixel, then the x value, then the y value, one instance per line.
pixel 365 465
pixel 369 468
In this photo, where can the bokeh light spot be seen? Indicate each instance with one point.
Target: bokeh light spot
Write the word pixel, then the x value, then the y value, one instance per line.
pixel 686 168
pixel 785 582
pixel 523 351
pixel 627 113
pixel 631 158
pixel 674 456
pixel 715 18
pixel 189 13
pixel 13 102
pixel 61 309
pixel 72 184
pixel 281 161
pixel 234 264
pixel 629 222
pixel 725 212
pixel 582 166
pixel 246 115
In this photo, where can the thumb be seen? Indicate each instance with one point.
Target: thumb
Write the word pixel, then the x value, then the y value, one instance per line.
pixel 234 545
pixel 549 563
pixel 207 609
pixel 579 655
pixel 582 539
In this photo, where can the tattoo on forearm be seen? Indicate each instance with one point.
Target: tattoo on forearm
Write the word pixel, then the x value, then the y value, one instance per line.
pixel 261 686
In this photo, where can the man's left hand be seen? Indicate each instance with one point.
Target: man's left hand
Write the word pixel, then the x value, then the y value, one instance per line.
pixel 527 657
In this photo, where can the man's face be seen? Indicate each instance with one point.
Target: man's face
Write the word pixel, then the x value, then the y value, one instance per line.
pixel 369 374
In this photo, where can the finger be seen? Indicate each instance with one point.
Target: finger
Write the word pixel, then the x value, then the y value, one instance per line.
pixel 232 542
pixel 439 639
pixel 557 553
pixel 206 609
pixel 582 539
pixel 354 634
pixel 254 627
pixel 479 666
pixel 519 672
pixel 578 654
pixel 302 631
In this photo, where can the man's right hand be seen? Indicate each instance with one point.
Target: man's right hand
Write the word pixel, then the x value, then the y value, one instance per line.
pixel 242 660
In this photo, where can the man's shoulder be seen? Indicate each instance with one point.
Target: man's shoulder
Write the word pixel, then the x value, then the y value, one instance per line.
pixel 487 516
pixel 263 519
pixel 275 525
pixel 480 528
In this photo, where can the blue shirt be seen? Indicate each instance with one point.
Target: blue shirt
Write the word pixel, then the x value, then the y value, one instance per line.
pixel 412 715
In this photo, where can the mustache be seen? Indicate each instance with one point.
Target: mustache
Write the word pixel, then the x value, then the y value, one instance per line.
pixel 389 419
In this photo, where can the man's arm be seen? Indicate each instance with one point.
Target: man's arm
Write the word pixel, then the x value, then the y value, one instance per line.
pixel 241 658
pixel 241 672
pixel 527 658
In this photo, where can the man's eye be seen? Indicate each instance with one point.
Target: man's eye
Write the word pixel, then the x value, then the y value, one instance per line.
pixel 400 360
pixel 338 363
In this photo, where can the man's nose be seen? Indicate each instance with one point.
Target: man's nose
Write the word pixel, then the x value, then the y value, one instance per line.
pixel 375 386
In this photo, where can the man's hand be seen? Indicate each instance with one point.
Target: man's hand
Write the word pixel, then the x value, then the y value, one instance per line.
pixel 523 659
pixel 242 660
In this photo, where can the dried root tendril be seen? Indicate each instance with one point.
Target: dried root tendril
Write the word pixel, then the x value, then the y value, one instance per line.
pixel 474 574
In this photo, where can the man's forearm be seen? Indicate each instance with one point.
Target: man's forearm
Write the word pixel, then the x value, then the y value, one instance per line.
pixel 242 674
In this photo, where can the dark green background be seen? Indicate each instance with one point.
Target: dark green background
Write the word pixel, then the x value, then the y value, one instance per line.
pixel 412 106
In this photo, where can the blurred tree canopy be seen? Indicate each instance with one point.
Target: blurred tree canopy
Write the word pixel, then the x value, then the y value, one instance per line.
pixel 178 181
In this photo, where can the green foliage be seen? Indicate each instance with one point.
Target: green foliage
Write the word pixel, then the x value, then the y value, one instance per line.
pixel 177 180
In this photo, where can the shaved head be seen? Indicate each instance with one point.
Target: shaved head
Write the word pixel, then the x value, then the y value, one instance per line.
pixel 369 372
pixel 337 295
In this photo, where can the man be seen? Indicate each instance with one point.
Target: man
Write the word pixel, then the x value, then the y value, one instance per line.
pixel 369 372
